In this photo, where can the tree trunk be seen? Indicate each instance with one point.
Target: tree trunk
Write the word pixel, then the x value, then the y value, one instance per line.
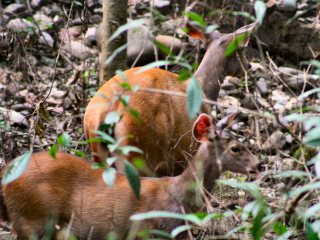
pixel 114 15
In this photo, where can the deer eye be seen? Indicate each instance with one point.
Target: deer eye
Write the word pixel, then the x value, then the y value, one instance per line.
pixel 235 149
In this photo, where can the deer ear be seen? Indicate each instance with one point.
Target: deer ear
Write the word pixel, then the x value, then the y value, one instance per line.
pixel 203 128
pixel 195 33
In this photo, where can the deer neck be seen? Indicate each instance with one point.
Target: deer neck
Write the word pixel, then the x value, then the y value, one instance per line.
pixel 210 73
pixel 188 188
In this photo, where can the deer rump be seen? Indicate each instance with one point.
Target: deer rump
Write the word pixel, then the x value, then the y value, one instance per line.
pixel 163 133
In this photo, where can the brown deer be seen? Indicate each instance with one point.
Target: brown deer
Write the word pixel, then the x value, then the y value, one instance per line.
pixel 164 131
pixel 68 189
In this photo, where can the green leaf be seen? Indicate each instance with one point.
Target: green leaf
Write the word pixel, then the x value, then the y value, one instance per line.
pixel 109 175
pixel 311 235
pixel 163 48
pixel 293 174
pixel 125 150
pixel 133 177
pixel 125 27
pixel 64 139
pixel 80 154
pixel 139 163
pixel 16 168
pixel 105 137
pixel 234 44
pixel 194 97
pixel 312 138
pixel 193 218
pixel 308 93
pixel 311 211
pixel 111 160
pixel 305 188
pixel 279 228
pixel 53 150
pixel 135 114
pixel 257 230
pixel 260 10
pixel 122 75
pixel 115 53
pixel 154 65
pixel 112 118
pixel 184 74
pixel 179 230
pixel 196 18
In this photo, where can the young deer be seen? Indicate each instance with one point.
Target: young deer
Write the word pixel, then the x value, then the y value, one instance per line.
pixel 164 130
pixel 70 190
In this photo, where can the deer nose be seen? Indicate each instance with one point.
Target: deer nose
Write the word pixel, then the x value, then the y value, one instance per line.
pixel 261 167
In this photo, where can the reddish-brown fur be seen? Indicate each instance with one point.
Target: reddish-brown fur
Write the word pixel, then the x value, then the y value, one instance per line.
pixel 164 131
pixel 68 188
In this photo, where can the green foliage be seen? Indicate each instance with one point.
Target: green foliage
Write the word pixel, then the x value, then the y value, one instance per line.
pixel 16 168
pixel 109 176
pixel 234 44
pixel 196 19
pixel 312 125
pixel 194 97
pixel 260 10
pixel 126 27
pixel 133 178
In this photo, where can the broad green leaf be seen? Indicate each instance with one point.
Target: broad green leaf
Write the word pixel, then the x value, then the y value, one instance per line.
pixel 316 161
pixel 194 97
pixel 293 174
pixel 121 74
pixel 163 48
pixel 145 234
pixel 260 10
pixel 211 28
pixel 64 139
pixel 125 150
pixel 296 117
pixel 105 137
pixel 200 220
pixel 312 138
pixel 234 44
pixel 109 175
pixel 126 27
pixel 311 234
pixel 154 65
pixel 80 154
pixel 115 53
pixel 311 211
pixel 184 74
pixel 134 113
pixel 196 18
pixel 16 168
pixel 316 226
pixel 53 150
pixel 111 160
pixel 179 230
pixel 133 177
pixel 305 188
pixel 112 118
pixel 257 230
pixel 308 93
pixel 279 228
pixel 139 163
pixel 247 210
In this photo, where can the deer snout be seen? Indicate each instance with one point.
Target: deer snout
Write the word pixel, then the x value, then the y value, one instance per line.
pixel 256 166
